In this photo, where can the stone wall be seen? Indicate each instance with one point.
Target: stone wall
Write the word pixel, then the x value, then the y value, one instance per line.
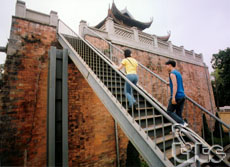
pixel 196 79
pixel 91 127
pixel 23 96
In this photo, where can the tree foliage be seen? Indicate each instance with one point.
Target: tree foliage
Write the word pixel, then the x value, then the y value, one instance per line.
pixel 221 84
pixel 206 134
pixel 1 74
pixel 1 69
pixel 218 130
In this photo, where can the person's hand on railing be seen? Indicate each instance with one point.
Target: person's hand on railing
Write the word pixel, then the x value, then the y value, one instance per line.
pixel 114 65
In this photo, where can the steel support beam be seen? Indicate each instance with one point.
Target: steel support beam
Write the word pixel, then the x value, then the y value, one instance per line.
pixel 51 108
pixel 65 108
pixel 57 121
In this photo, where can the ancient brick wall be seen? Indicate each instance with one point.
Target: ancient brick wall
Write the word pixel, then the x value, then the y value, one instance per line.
pixel 91 127
pixel 23 97
pixel 23 106
pixel 194 77
pixel 23 102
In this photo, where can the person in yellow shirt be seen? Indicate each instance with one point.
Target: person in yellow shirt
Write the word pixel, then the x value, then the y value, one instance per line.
pixel 130 65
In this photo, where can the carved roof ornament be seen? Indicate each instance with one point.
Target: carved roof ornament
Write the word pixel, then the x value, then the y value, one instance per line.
pixel 124 18
pixel 165 38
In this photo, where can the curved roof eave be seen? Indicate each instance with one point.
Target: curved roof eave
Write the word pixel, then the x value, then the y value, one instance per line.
pixel 129 21
pixel 165 38
pixel 99 25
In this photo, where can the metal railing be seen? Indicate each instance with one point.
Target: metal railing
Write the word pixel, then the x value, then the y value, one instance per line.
pixel 105 72
pixel 157 88
pixel 103 69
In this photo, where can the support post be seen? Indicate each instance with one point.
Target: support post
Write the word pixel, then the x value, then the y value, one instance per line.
pixel 20 9
pixel 193 54
pixel 183 51
pixel 170 47
pixel 82 26
pixel 57 130
pixel 53 18
pixel 51 107
pixel 155 41
pixel 65 107
pixel 135 33
pixel 109 26
pixel 117 144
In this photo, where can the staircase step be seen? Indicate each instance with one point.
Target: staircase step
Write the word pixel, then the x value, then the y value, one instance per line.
pixel 156 124
pixel 162 139
pixel 152 127
pixel 141 101
pixel 145 108
pixel 147 117
pixel 113 81
pixel 109 77
pixel 114 86
pixel 167 137
pixel 147 120
pixel 169 154
pixel 165 142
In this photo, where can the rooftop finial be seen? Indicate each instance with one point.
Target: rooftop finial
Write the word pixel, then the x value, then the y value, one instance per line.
pixel 151 18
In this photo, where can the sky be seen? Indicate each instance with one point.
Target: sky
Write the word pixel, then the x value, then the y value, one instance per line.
pixel 199 25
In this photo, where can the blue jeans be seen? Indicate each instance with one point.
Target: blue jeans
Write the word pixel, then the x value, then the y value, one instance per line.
pixel 179 109
pixel 128 89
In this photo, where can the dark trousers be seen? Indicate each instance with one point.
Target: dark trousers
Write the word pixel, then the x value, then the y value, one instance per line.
pixel 177 116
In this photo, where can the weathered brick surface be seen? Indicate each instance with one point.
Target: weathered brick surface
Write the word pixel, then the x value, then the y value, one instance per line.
pixel 23 105
pixel 194 77
pixel 91 127
pixel 23 102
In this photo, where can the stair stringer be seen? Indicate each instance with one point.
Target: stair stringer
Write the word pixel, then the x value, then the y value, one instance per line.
pixel 145 146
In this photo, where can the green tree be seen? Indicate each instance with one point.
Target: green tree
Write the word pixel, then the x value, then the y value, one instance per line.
pixel 218 130
pixel 221 84
pixel 206 134
pixel 1 74
pixel 217 86
pixel 1 70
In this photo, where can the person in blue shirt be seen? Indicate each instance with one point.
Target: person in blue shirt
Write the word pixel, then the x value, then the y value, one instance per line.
pixel 177 98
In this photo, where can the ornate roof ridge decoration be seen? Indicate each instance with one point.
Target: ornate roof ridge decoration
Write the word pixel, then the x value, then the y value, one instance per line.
pixel 165 38
pixel 124 18
pixel 127 13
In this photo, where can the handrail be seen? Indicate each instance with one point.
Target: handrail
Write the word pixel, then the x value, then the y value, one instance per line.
pixel 123 53
pixel 157 151
pixel 207 112
pixel 164 81
pixel 127 80
pixel 123 76
pixel 151 72
pixel 141 92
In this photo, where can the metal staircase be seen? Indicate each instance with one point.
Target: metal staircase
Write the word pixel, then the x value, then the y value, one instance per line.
pixel 149 127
